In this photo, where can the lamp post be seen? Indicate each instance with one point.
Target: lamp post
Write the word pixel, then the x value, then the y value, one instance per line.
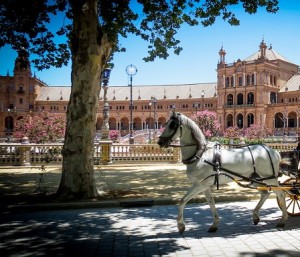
pixel 150 104
pixel 196 106
pixel 154 101
pixel 105 125
pixel 131 70
pixel 202 96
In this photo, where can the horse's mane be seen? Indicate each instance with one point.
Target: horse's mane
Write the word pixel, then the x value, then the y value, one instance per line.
pixel 195 130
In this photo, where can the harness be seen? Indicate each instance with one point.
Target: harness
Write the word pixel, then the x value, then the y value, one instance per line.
pixel 216 163
pixel 196 157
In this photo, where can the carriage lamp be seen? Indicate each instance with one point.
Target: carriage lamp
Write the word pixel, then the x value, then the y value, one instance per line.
pixel 105 126
pixel 131 70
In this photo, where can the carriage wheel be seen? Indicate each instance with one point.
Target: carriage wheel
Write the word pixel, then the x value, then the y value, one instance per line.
pixel 292 197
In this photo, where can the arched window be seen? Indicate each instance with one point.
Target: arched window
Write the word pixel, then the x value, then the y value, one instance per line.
pixel 240 99
pixel 9 124
pixel 250 98
pixel 240 121
pixel 252 79
pixel 229 120
pixel 273 98
pixel 292 120
pixel 271 80
pixel 248 80
pixel 279 120
pixel 227 82
pixel 230 99
pixel 250 119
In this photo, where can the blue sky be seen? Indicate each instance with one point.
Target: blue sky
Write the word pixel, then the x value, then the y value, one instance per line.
pixel 198 61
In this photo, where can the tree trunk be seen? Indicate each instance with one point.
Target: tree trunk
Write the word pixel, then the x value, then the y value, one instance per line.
pixel 90 50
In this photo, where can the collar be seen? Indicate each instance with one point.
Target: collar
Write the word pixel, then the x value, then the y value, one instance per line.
pixel 197 156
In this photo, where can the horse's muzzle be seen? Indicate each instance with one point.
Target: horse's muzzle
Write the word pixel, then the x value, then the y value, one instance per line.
pixel 163 142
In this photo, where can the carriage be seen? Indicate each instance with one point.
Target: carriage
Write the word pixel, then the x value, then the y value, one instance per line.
pixel 211 164
pixel 290 182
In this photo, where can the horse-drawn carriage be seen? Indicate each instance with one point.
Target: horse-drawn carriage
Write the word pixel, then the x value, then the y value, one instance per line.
pixel 254 166
pixel 290 182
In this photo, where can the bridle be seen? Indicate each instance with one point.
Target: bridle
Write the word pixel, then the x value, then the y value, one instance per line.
pixel 175 123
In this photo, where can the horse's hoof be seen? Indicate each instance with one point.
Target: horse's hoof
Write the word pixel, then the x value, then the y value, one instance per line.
pixel 256 221
pixel 181 228
pixel 280 225
pixel 212 229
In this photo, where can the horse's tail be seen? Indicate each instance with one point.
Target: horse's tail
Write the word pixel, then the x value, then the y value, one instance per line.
pixel 285 161
pixel 282 164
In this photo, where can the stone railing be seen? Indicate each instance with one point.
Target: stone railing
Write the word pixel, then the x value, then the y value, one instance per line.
pixel 283 147
pixel 105 152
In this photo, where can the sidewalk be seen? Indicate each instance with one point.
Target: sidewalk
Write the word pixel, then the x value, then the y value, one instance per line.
pixel 149 232
pixel 118 185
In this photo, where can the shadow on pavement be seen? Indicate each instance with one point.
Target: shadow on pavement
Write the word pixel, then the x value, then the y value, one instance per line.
pixel 118 232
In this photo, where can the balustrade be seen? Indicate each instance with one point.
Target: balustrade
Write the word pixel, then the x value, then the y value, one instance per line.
pixel 105 152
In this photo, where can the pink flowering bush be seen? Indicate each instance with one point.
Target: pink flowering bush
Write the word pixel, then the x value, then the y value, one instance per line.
pixel 233 132
pixel 253 134
pixel 257 132
pixel 114 135
pixel 207 122
pixel 42 128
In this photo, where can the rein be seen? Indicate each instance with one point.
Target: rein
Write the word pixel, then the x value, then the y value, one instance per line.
pixel 175 145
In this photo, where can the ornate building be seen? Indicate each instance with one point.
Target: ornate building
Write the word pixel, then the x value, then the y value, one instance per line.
pixel 261 89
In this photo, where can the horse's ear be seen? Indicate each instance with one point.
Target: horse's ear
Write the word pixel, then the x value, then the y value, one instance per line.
pixel 172 113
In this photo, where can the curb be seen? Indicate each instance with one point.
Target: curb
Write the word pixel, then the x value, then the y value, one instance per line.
pixel 128 203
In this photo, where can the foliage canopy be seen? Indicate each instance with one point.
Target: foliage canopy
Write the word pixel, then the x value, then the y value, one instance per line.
pixel 44 27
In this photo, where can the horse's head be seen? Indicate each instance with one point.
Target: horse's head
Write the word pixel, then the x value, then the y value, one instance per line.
pixel 171 131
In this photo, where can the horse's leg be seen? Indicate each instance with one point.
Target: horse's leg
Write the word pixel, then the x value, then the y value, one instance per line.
pixel 192 192
pixel 264 194
pixel 281 201
pixel 211 202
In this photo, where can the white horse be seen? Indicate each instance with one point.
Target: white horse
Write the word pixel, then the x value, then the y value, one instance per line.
pixel 204 163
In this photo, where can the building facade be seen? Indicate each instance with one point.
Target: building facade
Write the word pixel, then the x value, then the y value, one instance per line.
pixel 261 89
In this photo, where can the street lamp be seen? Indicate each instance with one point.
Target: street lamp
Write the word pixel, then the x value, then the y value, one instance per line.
pixel 105 126
pixel 153 101
pixel 150 122
pixel 202 96
pixel 131 70
pixel 196 106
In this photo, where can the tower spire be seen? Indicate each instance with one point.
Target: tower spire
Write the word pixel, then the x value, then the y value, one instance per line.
pixel 22 61
pixel 222 54
pixel 263 48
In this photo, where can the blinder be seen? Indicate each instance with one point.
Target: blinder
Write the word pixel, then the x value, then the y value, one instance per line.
pixel 174 124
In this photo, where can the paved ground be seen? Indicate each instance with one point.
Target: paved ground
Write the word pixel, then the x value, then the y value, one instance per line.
pixel 148 231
